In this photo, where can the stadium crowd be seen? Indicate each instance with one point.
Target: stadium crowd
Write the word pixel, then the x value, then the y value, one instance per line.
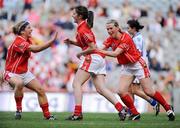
pixel 55 67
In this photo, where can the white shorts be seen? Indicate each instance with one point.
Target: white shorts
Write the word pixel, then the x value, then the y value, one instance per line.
pixel 139 69
pixel 26 77
pixel 93 63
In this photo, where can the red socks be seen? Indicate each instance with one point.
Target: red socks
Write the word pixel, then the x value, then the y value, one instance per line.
pixel 19 103
pixel 77 110
pixel 158 97
pixel 129 103
pixel 45 109
pixel 118 106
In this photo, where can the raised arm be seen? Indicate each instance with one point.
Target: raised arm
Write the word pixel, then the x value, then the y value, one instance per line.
pixel 38 48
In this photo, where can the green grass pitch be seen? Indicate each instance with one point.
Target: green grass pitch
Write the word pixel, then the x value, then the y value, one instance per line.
pixel 91 120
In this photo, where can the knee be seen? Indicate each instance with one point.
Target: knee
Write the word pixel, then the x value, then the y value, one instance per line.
pixel 121 93
pixel 99 90
pixel 122 90
pixel 149 92
pixel 19 85
pixel 134 90
pixel 131 90
pixel 76 84
pixel 40 91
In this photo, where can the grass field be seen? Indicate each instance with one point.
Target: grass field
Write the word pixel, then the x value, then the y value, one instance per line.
pixel 91 120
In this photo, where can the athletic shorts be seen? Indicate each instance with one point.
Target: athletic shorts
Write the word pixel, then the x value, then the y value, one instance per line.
pixel 26 77
pixel 93 63
pixel 139 69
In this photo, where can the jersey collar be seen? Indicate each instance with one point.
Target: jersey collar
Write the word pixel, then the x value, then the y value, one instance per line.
pixel 81 23
pixel 22 38
pixel 138 33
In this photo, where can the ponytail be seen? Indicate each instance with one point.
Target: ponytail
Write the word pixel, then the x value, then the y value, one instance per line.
pixel 90 19
pixel 15 30
pixel 89 15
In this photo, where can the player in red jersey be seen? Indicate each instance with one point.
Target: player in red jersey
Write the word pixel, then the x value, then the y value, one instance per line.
pixel 133 65
pixel 16 68
pixel 92 63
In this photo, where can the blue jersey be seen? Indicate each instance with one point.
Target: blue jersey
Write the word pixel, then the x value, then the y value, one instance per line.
pixel 140 45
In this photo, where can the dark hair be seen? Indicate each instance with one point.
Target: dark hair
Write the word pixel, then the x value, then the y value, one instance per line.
pixel 89 15
pixel 135 24
pixel 19 27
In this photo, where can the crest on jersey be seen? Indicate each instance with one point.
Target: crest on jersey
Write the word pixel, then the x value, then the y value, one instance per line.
pixel 21 46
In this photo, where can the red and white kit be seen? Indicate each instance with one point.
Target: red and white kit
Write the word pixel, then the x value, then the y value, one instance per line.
pixel 17 60
pixel 131 60
pixel 95 62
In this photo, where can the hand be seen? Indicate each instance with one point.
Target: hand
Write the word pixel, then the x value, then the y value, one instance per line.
pixel 79 55
pixel 67 41
pixel 101 51
pixel 54 37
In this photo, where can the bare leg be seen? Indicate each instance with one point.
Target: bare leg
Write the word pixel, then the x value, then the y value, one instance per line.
pixel 130 90
pixel 43 102
pixel 137 90
pixel 99 81
pixel 146 84
pixel 80 78
pixel 17 84
pixel 126 80
pixel 36 86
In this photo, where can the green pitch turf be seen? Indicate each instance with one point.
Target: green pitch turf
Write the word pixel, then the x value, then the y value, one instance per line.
pixel 91 120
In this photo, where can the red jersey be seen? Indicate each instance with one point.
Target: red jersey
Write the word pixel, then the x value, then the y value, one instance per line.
pixel 85 36
pixel 18 55
pixel 130 53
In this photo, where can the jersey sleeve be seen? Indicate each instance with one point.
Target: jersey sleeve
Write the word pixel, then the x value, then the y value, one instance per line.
pixel 107 43
pixel 21 47
pixel 88 37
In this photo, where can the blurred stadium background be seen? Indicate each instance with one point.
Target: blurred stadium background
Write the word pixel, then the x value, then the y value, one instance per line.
pixel 55 67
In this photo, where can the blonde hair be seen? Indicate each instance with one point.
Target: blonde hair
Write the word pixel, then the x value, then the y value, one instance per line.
pixel 115 23
pixel 19 27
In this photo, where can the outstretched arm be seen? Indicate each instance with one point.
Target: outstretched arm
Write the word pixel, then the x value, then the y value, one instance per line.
pixel 1 78
pixel 112 53
pixel 68 41
pixel 38 48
